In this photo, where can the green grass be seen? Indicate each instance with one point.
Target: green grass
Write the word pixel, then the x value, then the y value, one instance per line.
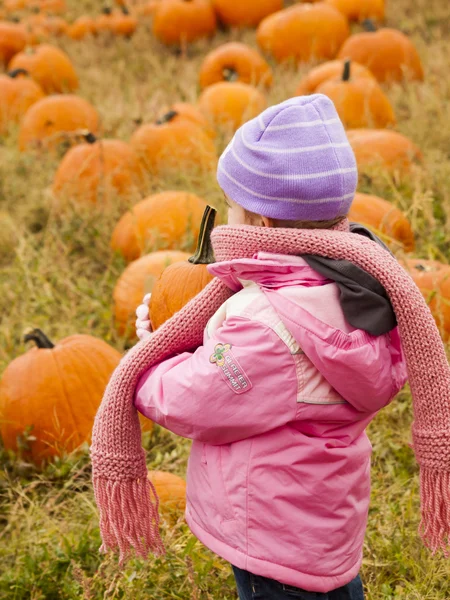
pixel 57 273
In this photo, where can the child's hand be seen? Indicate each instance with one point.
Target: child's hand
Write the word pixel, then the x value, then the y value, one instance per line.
pixel 143 323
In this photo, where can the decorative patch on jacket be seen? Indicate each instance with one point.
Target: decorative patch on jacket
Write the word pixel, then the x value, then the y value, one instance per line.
pixel 230 368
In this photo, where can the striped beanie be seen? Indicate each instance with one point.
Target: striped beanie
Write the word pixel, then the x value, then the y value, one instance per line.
pixel 292 162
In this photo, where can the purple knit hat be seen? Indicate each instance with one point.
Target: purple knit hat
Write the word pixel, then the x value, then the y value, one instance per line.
pixel 292 162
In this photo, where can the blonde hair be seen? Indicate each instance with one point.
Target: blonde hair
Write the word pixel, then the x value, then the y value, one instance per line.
pixel 283 223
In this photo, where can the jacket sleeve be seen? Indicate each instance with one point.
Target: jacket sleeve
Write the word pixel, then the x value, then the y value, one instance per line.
pixel 242 382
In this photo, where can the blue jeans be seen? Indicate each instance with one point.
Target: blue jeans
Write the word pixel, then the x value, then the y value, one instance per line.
pixel 255 587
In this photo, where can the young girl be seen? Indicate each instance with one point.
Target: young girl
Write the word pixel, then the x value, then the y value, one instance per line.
pixel 278 397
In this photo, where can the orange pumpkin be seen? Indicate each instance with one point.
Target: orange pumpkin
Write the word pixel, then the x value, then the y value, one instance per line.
pixel 17 94
pixel 138 279
pixel 56 119
pixel 304 32
pixel 41 26
pixel 97 170
pixel 174 144
pixel 171 490
pixel 382 147
pixel 118 22
pixel 183 21
pixel 13 39
pixel 57 390
pixel 388 53
pixel 245 14
pixel 235 62
pixel 329 70
pixel 180 282
pixel 49 66
pixel 433 280
pixel 230 104
pixel 184 110
pixel 167 220
pixel 358 10
pixel 82 27
pixel 360 102
pixel 51 6
pixel 384 218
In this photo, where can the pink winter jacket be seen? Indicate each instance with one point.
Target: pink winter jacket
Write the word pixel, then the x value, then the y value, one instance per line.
pixel 276 402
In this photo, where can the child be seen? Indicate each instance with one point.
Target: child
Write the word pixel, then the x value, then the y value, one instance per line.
pixel 278 397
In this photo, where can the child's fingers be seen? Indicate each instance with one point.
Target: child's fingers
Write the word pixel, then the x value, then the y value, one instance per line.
pixel 146 299
pixel 143 334
pixel 143 324
pixel 142 312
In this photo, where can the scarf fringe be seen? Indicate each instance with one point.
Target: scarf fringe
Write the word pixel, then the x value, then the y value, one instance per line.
pixel 434 528
pixel 129 517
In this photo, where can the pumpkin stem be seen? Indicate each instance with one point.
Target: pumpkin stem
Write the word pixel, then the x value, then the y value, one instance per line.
pixel 167 117
pixel 90 137
pixel 230 74
pixel 347 70
pixel 125 10
pixel 204 255
pixel 16 72
pixel 107 10
pixel 369 25
pixel 39 338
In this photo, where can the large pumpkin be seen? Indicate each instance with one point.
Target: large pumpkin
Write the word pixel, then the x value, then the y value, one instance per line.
pixel 358 10
pixel 235 61
pixel 170 220
pixel 245 14
pixel 49 66
pixel 329 70
pixel 92 172
pixel 173 145
pixel 360 102
pixel 388 53
pixel 137 280
pixel 230 104
pixel 180 282
pixel 57 390
pixel 384 148
pixel 57 119
pixel 171 490
pixel 433 280
pixel 304 32
pixel 17 93
pixel 384 219
pixel 183 21
pixel 13 39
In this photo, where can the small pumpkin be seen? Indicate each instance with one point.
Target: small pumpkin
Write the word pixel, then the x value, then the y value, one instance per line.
pixel 235 61
pixel 358 10
pixel 57 390
pixel 360 102
pixel 49 66
pixel 13 39
pixel 44 6
pixel 388 53
pixel 17 93
pixel 384 218
pixel 183 110
pixel 433 279
pixel 382 147
pixel 41 26
pixel 82 27
pixel 304 32
pixel 180 282
pixel 230 104
pixel 329 70
pixel 92 172
pixel 171 490
pixel 136 280
pixel 117 22
pixel 57 119
pixel 173 144
pixel 245 14
pixel 169 220
pixel 183 21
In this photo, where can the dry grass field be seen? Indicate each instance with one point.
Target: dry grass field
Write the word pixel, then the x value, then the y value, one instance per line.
pixel 57 272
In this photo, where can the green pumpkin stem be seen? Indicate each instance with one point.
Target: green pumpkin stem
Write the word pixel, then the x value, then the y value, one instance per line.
pixel 39 338
pixel 347 70
pixel 230 74
pixel 204 255
pixel 16 72
pixel 167 117
pixel 369 25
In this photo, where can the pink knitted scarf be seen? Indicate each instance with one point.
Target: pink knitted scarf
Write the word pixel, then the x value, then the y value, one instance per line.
pixel 126 499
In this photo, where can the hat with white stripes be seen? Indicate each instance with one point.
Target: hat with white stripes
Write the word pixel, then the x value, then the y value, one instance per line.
pixel 292 162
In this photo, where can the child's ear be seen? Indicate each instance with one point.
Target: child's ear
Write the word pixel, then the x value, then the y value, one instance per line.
pixel 266 222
